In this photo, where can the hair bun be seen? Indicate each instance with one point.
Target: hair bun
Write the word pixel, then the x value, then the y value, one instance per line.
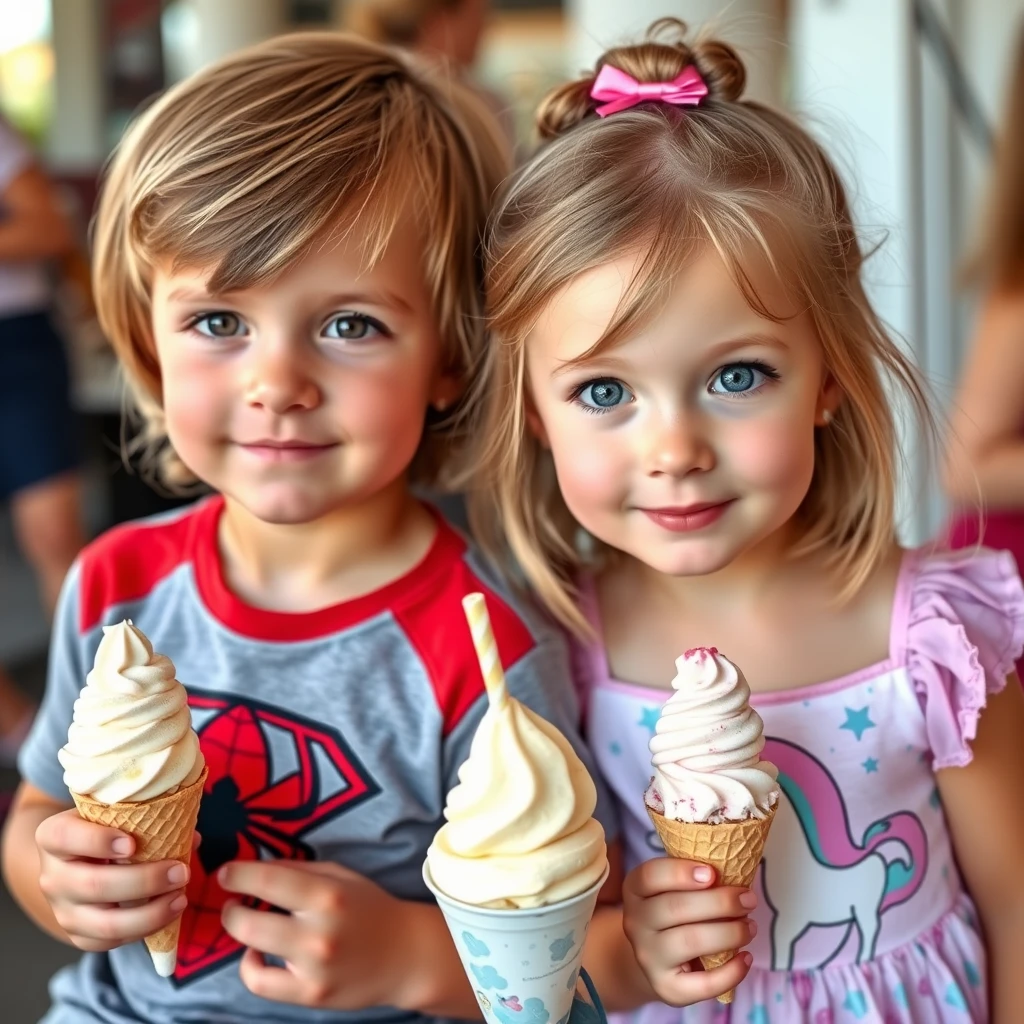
pixel 663 54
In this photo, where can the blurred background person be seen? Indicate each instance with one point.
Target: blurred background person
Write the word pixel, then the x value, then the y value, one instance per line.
pixel 986 451
pixel 445 30
pixel 39 455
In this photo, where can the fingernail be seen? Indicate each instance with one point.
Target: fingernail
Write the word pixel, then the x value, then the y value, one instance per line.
pixel 685 968
pixel 121 846
pixel 178 903
pixel 702 874
pixel 748 900
pixel 178 875
pixel 747 958
pixel 752 925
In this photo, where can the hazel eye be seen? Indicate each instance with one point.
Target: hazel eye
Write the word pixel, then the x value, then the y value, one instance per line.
pixel 354 327
pixel 220 325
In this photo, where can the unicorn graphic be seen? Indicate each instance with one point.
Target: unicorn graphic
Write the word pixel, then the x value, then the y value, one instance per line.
pixel 817 876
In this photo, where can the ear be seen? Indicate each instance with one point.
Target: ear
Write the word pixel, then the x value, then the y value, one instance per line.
pixel 829 400
pixel 535 424
pixel 447 390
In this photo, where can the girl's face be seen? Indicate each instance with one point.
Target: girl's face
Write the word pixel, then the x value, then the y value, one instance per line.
pixel 307 394
pixel 690 443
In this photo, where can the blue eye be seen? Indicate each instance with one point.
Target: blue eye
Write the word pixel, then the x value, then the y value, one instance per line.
pixel 742 379
pixel 219 325
pixel 602 395
pixel 354 327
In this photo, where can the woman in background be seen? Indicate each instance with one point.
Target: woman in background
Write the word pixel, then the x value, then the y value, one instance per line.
pixel 446 30
pixel 38 446
pixel 986 453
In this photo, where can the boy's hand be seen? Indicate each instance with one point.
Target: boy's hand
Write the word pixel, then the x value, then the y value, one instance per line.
pixel 342 937
pixel 672 916
pixel 84 885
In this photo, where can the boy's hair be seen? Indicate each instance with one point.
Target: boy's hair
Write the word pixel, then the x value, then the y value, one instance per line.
pixel 729 174
pixel 246 164
pixel 998 260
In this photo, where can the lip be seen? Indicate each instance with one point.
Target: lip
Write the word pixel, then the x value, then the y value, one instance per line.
pixel 292 450
pixel 688 518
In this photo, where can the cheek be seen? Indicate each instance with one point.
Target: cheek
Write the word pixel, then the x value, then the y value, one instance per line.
pixel 776 454
pixel 385 407
pixel 593 465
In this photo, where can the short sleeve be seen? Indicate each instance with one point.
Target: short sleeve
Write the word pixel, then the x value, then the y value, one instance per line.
pixel 542 681
pixel 15 154
pixel 37 759
pixel 965 631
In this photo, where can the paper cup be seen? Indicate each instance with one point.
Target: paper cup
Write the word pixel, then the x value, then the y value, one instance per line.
pixel 522 964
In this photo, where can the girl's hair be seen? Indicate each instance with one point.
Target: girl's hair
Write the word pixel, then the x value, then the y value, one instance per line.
pixel 395 22
pixel 668 182
pixel 999 256
pixel 246 165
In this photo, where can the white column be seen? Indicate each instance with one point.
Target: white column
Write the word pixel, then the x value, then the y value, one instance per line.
pixel 215 28
pixel 755 27
pixel 76 140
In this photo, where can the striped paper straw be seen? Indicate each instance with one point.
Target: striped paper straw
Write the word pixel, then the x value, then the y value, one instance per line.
pixel 475 608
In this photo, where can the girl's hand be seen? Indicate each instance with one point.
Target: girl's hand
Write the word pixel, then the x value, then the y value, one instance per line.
pixel 672 916
pixel 101 904
pixel 343 939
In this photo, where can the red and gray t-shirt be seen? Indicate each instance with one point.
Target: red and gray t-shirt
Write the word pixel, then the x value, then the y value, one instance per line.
pixel 333 735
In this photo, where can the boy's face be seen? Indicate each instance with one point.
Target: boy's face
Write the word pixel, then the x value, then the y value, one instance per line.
pixel 309 393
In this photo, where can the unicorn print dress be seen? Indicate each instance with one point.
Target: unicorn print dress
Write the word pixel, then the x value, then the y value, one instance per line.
pixel 862 915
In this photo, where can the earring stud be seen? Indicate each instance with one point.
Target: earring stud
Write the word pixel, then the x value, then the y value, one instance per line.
pixel 826 416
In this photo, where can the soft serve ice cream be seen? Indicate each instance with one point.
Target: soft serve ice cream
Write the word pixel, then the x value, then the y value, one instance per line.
pixel 131 739
pixel 706 749
pixel 520 829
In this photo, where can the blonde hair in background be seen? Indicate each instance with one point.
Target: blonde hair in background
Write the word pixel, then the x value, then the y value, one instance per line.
pixel 393 22
pixel 244 166
pixel 667 182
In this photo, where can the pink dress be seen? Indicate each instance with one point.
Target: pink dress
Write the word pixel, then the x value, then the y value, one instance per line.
pixel 863 917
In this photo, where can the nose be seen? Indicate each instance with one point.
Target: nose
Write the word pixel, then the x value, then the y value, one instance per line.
pixel 279 381
pixel 678 446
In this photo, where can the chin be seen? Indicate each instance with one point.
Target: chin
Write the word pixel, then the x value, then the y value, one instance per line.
pixel 286 509
pixel 697 559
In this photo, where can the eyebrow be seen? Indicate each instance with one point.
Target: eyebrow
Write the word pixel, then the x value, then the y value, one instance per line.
pixel 717 351
pixel 340 300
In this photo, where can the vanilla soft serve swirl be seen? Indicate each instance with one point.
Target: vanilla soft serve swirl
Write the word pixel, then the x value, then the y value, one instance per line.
pixel 706 749
pixel 520 829
pixel 132 737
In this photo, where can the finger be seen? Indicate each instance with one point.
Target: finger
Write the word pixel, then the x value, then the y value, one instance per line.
pixel 671 909
pixel 687 942
pixel 276 983
pixel 666 874
pixel 121 924
pixel 685 987
pixel 68 836
pixel 280 885
pixel 263 930
pixel 84 882
pixel 196 840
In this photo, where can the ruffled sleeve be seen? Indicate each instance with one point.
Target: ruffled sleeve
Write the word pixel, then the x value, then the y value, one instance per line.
pixel 964 632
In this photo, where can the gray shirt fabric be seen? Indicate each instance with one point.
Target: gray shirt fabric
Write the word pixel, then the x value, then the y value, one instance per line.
pixel 333 736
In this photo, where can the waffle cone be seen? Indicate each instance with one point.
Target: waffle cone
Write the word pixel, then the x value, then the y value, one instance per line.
pixel 162 829
pixel 732 848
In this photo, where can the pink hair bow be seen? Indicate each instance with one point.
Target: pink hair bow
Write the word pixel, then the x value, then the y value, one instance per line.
pixel 621 91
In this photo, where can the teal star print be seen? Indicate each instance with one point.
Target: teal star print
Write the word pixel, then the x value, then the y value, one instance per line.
pixel 649 718
pixel 857 722
pixel 871 765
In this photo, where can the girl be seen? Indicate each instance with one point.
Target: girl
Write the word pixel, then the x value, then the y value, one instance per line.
pixel 689 442
pixel 287 264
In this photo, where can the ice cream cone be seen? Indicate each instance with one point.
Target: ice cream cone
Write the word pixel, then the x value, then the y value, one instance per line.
pixel 162 829
pixel 732 848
